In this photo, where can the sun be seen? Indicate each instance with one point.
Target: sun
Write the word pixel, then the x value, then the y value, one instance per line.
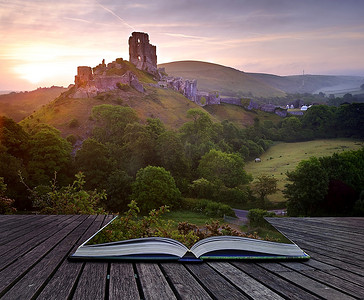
pixel 34 73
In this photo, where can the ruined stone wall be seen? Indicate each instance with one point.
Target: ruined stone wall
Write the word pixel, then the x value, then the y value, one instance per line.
pixel 231 100
pixel 84 74
pixel 141 53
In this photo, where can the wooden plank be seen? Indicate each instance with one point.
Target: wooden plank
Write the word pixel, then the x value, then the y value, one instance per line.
pixel 12 231
pixel 336 262
pixel 122 282
pixel 98 268
pixel 65 278
pixel 153 282
pixel 36 237
pixel 314 286
pixel 324 242
pixel 244 282
pixel 24 263
pixel 92 283
pixel 338 283
pixel 185 284
pixel 300 279
pixel 277 284
pixel 217 286
pixel 30 284
pixel 348 276
pixel 320 232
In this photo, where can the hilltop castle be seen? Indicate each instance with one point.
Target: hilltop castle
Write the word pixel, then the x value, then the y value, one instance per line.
pixel 89 82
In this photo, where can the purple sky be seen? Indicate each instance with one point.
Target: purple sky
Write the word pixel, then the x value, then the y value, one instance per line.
pixel 43 41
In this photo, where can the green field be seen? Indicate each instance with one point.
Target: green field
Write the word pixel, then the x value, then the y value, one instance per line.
pixel 196 218
pixel 283 157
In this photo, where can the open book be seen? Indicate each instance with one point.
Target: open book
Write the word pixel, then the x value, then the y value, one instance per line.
pixel 216 247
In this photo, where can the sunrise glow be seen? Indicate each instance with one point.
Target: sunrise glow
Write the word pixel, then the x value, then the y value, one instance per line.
pixel 44 41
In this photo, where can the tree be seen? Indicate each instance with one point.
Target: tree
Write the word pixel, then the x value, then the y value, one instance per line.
pixel 92 159
pixel 265 185
pixel 139 147
pixel 320 119
pixel 118 189
pixel 171 155
pixel 112 120
pixel 154 187
pixel 49 153
pixel 308 188
pixel 220 167
pixel 14 138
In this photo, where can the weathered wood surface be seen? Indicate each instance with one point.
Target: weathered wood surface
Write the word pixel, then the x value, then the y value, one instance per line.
pixel 34 265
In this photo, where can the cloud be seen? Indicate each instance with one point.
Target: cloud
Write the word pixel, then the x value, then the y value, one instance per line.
pixel 116 16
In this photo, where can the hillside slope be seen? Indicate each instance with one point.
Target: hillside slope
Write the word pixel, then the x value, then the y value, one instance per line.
pixel 227 81
pixel 328 84
pixel 19 105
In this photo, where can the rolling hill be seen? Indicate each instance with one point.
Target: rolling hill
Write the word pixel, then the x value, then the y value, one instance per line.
pixel 73 115
pixel 19 105
pixel 227 81
pixel 235 83
pixel 313 84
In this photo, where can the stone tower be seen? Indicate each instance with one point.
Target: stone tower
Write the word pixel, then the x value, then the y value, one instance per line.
pixel 84 74
pixel 141 53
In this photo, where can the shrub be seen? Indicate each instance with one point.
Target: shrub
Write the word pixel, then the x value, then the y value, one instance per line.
pixel 6 206
pixel 256 217
pixel 71 139
pixel 74 123
pixel 72 199
pixel 229 195
pixel 154 187
pixel 201 188
pixel 122 86
pixel 207 207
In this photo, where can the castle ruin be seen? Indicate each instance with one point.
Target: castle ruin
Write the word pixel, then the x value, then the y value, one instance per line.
pixel 89 82
pixel 141 53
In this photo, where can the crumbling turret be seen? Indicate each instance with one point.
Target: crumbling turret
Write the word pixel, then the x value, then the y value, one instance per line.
pixel 141 53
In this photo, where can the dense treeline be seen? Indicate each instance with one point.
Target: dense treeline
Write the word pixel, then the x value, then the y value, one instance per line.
pixel 330 185
pixel 130 159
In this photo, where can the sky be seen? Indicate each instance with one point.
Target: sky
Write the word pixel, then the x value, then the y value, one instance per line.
pixel 43 41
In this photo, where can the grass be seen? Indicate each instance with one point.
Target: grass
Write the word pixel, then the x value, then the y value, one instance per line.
pixel 196 218
pixel 239 115
pixel 284 157
pixel 228 81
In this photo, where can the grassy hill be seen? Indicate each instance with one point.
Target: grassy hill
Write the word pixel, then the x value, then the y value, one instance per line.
pixel 338 85
pixel 18 105
pixel 228 81
pixel 72 115
pixel 284 157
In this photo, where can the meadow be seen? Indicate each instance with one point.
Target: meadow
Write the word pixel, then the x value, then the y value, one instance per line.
pixel 283 157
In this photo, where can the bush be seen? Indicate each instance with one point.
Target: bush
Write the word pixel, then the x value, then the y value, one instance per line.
pixel 72 199
pixel 74 123
pixel 71 139
pixel 6 206
pixel 256 217
pixel 122 86
pixel 154 187
pixel 207 207
pixel 229 195
pixel 201 188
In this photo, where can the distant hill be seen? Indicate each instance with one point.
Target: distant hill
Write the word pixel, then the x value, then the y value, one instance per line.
pixel 227 81
pixel 313 84
pixel 232 82
pixel 19 105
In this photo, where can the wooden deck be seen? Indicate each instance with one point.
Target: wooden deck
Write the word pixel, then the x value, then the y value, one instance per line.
pixel 34 265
